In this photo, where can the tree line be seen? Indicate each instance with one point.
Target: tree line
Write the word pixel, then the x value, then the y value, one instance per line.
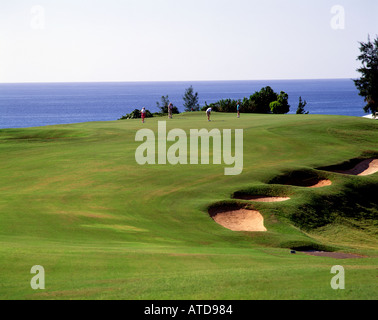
pixel 263 101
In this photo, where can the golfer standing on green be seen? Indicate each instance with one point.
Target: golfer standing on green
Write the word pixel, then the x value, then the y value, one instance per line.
pixel 238 109
pixel 143 114
pixel 170 111
pixel 208 112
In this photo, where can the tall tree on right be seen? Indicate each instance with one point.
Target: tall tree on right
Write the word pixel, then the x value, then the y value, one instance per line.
pixel 368 83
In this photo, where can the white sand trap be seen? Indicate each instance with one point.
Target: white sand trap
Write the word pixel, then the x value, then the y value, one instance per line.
pixel 263 198
pixel 240 220
pixel 305 180
pixel 310 183
pixel 364 168
pixel 321 184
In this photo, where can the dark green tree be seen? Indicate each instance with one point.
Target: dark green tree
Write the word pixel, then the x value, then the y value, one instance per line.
pixel 260 101
pixel 301 106
pixel 191 100
pixel 163 105
pixel 368 83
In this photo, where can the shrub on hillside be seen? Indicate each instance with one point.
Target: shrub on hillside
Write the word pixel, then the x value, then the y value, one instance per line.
pixel 136 114
pixel 213 106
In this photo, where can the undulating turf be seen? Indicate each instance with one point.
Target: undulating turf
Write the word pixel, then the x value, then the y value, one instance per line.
pixel 74 200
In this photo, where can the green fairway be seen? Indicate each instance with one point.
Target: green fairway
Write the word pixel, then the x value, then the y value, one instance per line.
pixel 75 201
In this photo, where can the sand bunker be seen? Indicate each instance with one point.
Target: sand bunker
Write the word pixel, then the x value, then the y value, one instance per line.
pixel 309 183
pixel 321 184
pixel 302 179
pixel 261 198
pixel 364 168
pixel 239 219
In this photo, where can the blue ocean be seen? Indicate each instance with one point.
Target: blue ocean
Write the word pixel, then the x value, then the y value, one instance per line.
pixel 41 104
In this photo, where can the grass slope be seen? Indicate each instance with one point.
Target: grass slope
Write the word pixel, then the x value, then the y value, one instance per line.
pixel 74 200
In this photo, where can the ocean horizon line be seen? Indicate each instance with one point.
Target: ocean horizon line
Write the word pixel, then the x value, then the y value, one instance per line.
pixel 173 81
pixel 39 104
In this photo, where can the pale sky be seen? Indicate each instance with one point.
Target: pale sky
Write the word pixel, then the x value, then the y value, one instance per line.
pixel 175 40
